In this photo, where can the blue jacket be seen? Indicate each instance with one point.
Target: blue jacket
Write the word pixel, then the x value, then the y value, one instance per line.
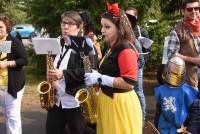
pixel 174 106
pixel 193 123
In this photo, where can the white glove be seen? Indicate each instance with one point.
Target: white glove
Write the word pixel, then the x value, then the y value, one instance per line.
pixel 95 77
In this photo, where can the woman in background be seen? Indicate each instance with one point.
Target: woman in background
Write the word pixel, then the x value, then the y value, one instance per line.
pixel 12 79
pixel 89 30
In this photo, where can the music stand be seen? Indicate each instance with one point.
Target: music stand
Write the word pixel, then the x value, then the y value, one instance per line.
pixel 145 42
pixel 46 45
pixel 5 47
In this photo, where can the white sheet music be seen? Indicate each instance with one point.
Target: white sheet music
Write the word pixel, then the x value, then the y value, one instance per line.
pixel 145 42
pixel 5 47
pixel 44 45
pixel 165 57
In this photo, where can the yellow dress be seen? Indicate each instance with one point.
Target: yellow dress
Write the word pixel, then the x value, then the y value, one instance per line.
pixel 121 114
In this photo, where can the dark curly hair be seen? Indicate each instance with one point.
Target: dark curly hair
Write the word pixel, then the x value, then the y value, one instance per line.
pixel 89 25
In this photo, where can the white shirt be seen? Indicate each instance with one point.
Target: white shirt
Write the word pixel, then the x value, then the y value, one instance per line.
pixel 67 101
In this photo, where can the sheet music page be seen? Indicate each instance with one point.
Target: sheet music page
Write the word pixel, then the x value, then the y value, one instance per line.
pixel 44 45
pixel 145 42
pixel 5 47
pixel 165 57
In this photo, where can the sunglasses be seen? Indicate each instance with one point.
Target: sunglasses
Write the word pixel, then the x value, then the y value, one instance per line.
pixel 190 9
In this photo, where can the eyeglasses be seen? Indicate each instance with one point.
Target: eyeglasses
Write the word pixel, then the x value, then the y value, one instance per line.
pixel 63 23
pixel 190 9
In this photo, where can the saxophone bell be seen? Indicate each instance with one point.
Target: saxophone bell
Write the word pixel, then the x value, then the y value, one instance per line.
pixel 82 95
pixel 44 87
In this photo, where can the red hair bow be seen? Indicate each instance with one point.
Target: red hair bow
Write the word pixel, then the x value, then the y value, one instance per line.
pixel 113 8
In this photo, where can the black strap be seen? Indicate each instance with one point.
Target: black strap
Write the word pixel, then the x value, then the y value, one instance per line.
pixel 62 55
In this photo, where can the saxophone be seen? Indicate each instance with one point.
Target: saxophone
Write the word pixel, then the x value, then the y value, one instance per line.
pixel 45 88
pixel 87 96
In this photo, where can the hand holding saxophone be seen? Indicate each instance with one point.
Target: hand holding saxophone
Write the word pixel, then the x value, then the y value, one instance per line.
pixel 7 64
pixel 97 78
pixel 3 64
pixel 55 74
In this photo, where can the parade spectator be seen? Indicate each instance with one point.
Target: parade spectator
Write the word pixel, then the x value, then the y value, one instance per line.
pixel 89 30
pixel 12 78
pixel 185 39
pixel 174 98
pixel 132 14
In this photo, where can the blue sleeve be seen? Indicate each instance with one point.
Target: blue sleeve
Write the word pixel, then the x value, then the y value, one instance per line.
pixel 190 95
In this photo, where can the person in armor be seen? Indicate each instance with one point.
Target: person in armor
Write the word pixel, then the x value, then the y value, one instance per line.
pixel 185 38
pixel 68 76
pixel 119 110
pixel 174 98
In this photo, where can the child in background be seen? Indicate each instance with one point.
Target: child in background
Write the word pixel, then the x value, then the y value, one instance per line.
pixel 174 98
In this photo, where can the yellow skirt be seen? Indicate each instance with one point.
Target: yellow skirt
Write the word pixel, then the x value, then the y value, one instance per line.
pixel 121 114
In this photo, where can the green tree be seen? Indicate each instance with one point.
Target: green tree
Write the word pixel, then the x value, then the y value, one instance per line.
pixel 46 14
pixel 14 9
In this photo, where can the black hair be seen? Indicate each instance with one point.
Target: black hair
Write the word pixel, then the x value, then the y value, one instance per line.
pixel 185 2
pixel 89 25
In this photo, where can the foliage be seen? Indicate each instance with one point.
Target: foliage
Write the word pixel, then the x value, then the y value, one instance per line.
pixel 158 32
pixel 45 14
pixel 37 64
pixel 14 10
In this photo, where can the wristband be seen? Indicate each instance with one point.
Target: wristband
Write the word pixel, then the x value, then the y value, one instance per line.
pixel 106 80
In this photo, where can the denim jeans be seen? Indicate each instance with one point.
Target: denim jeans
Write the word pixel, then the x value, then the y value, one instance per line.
pixel 139 90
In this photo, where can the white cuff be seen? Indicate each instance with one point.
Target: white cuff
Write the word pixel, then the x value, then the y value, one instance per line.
pixel 107 80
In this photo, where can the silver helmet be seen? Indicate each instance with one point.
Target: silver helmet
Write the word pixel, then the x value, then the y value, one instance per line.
pixel 174 72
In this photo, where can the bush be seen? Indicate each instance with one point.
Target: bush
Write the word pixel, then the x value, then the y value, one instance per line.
pixel 157 33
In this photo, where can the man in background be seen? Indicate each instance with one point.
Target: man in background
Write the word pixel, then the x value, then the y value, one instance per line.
pixel 132 14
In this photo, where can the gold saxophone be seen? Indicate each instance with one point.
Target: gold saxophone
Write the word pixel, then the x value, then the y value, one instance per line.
pixel 45 88
pixel 88 96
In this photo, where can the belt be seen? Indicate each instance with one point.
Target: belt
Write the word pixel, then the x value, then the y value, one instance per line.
pixel 110 91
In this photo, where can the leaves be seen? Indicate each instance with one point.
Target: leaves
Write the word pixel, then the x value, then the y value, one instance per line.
pixel 45 14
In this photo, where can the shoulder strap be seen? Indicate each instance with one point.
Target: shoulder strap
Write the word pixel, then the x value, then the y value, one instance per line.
pixel 134 48
pixel 139 32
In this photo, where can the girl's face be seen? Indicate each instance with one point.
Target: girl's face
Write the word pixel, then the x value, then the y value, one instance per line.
pixel 69 27
pixel 3 31
pixel 109 31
